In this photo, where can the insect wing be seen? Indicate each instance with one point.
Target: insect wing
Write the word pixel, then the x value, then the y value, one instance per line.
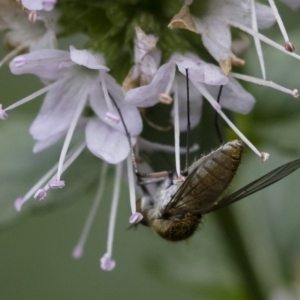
pixel 259 184
pixel 182 202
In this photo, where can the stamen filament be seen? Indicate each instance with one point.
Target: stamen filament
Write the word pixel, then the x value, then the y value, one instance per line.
pixel 105 92
pixel 107 263
pixel 176 131
pixel 69 160
pixel 114 207
pixel 209 97
pixel 35 95
pixel 263 38
pixel 279 20
pixel 257 41
pixel 131 185
pixel 13 53
pixel 265 83
pixel 78 250
pixel 37 185
pixel 69 135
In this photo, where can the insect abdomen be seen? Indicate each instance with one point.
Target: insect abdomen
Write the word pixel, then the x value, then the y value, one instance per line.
pixel 176 229
pixel 213 174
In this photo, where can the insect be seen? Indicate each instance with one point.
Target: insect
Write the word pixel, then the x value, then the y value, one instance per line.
pixel 176 210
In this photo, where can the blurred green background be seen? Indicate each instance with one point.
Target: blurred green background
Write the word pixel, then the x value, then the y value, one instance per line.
pixel 35 245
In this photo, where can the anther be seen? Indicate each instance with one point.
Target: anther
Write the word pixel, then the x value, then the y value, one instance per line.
pixel 3 114
pixel 19 61
pixel 112 117
pixel 56 184
pixel 41 194
pixel 135 218
pixel 289 46
pixel 18 203
pixel 107 264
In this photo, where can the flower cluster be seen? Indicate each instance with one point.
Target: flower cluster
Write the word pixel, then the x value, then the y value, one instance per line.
pixel 81 95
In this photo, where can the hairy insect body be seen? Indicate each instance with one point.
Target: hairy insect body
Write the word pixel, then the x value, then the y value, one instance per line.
pixel 176 211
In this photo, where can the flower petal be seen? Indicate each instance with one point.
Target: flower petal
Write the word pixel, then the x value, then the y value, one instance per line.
pixel 195 104
pixel 87 59
pixel 131 115
pixel 105 142
pixel 199 70
pixel 233 97
pixel 148 95
pixel 43 63
pixel 59 107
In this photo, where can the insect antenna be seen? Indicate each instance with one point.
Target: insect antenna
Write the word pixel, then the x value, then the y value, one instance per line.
pixel 152 177
pixel 217 116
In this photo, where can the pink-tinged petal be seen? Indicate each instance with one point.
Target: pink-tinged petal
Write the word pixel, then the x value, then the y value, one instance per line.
pixel 59 107
pixel 43 63
pixel 87 59
pixel 130 113
pixel 105 142
pixel 233 97
pixel 195 104
pixel 199 70
pixel 148 95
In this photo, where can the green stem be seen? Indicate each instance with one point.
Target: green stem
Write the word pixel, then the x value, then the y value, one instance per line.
pixel 229 225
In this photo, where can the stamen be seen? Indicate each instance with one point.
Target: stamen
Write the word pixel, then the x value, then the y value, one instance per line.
pixel 41 194
pixel 20 201
pixel 176 130
pixel 268 83
pixel 13 53
pixel 69 135
pixel 165 99
pixel 263 38
pixel 70 158
pixel 32 16
pixel 78 249
pixel 105 92
pixel 3 114
pixel 54 184
pixel 112 117
pixel 34 95
pixel 107 264
pixel 136 217
pixel 257 41
pixel 288 45
pixel 208 96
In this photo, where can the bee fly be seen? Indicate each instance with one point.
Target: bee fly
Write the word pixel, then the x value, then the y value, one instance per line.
pixel 176 211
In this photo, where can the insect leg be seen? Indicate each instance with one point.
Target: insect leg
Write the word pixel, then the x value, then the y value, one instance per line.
pixel 140 176
pixel 217 117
